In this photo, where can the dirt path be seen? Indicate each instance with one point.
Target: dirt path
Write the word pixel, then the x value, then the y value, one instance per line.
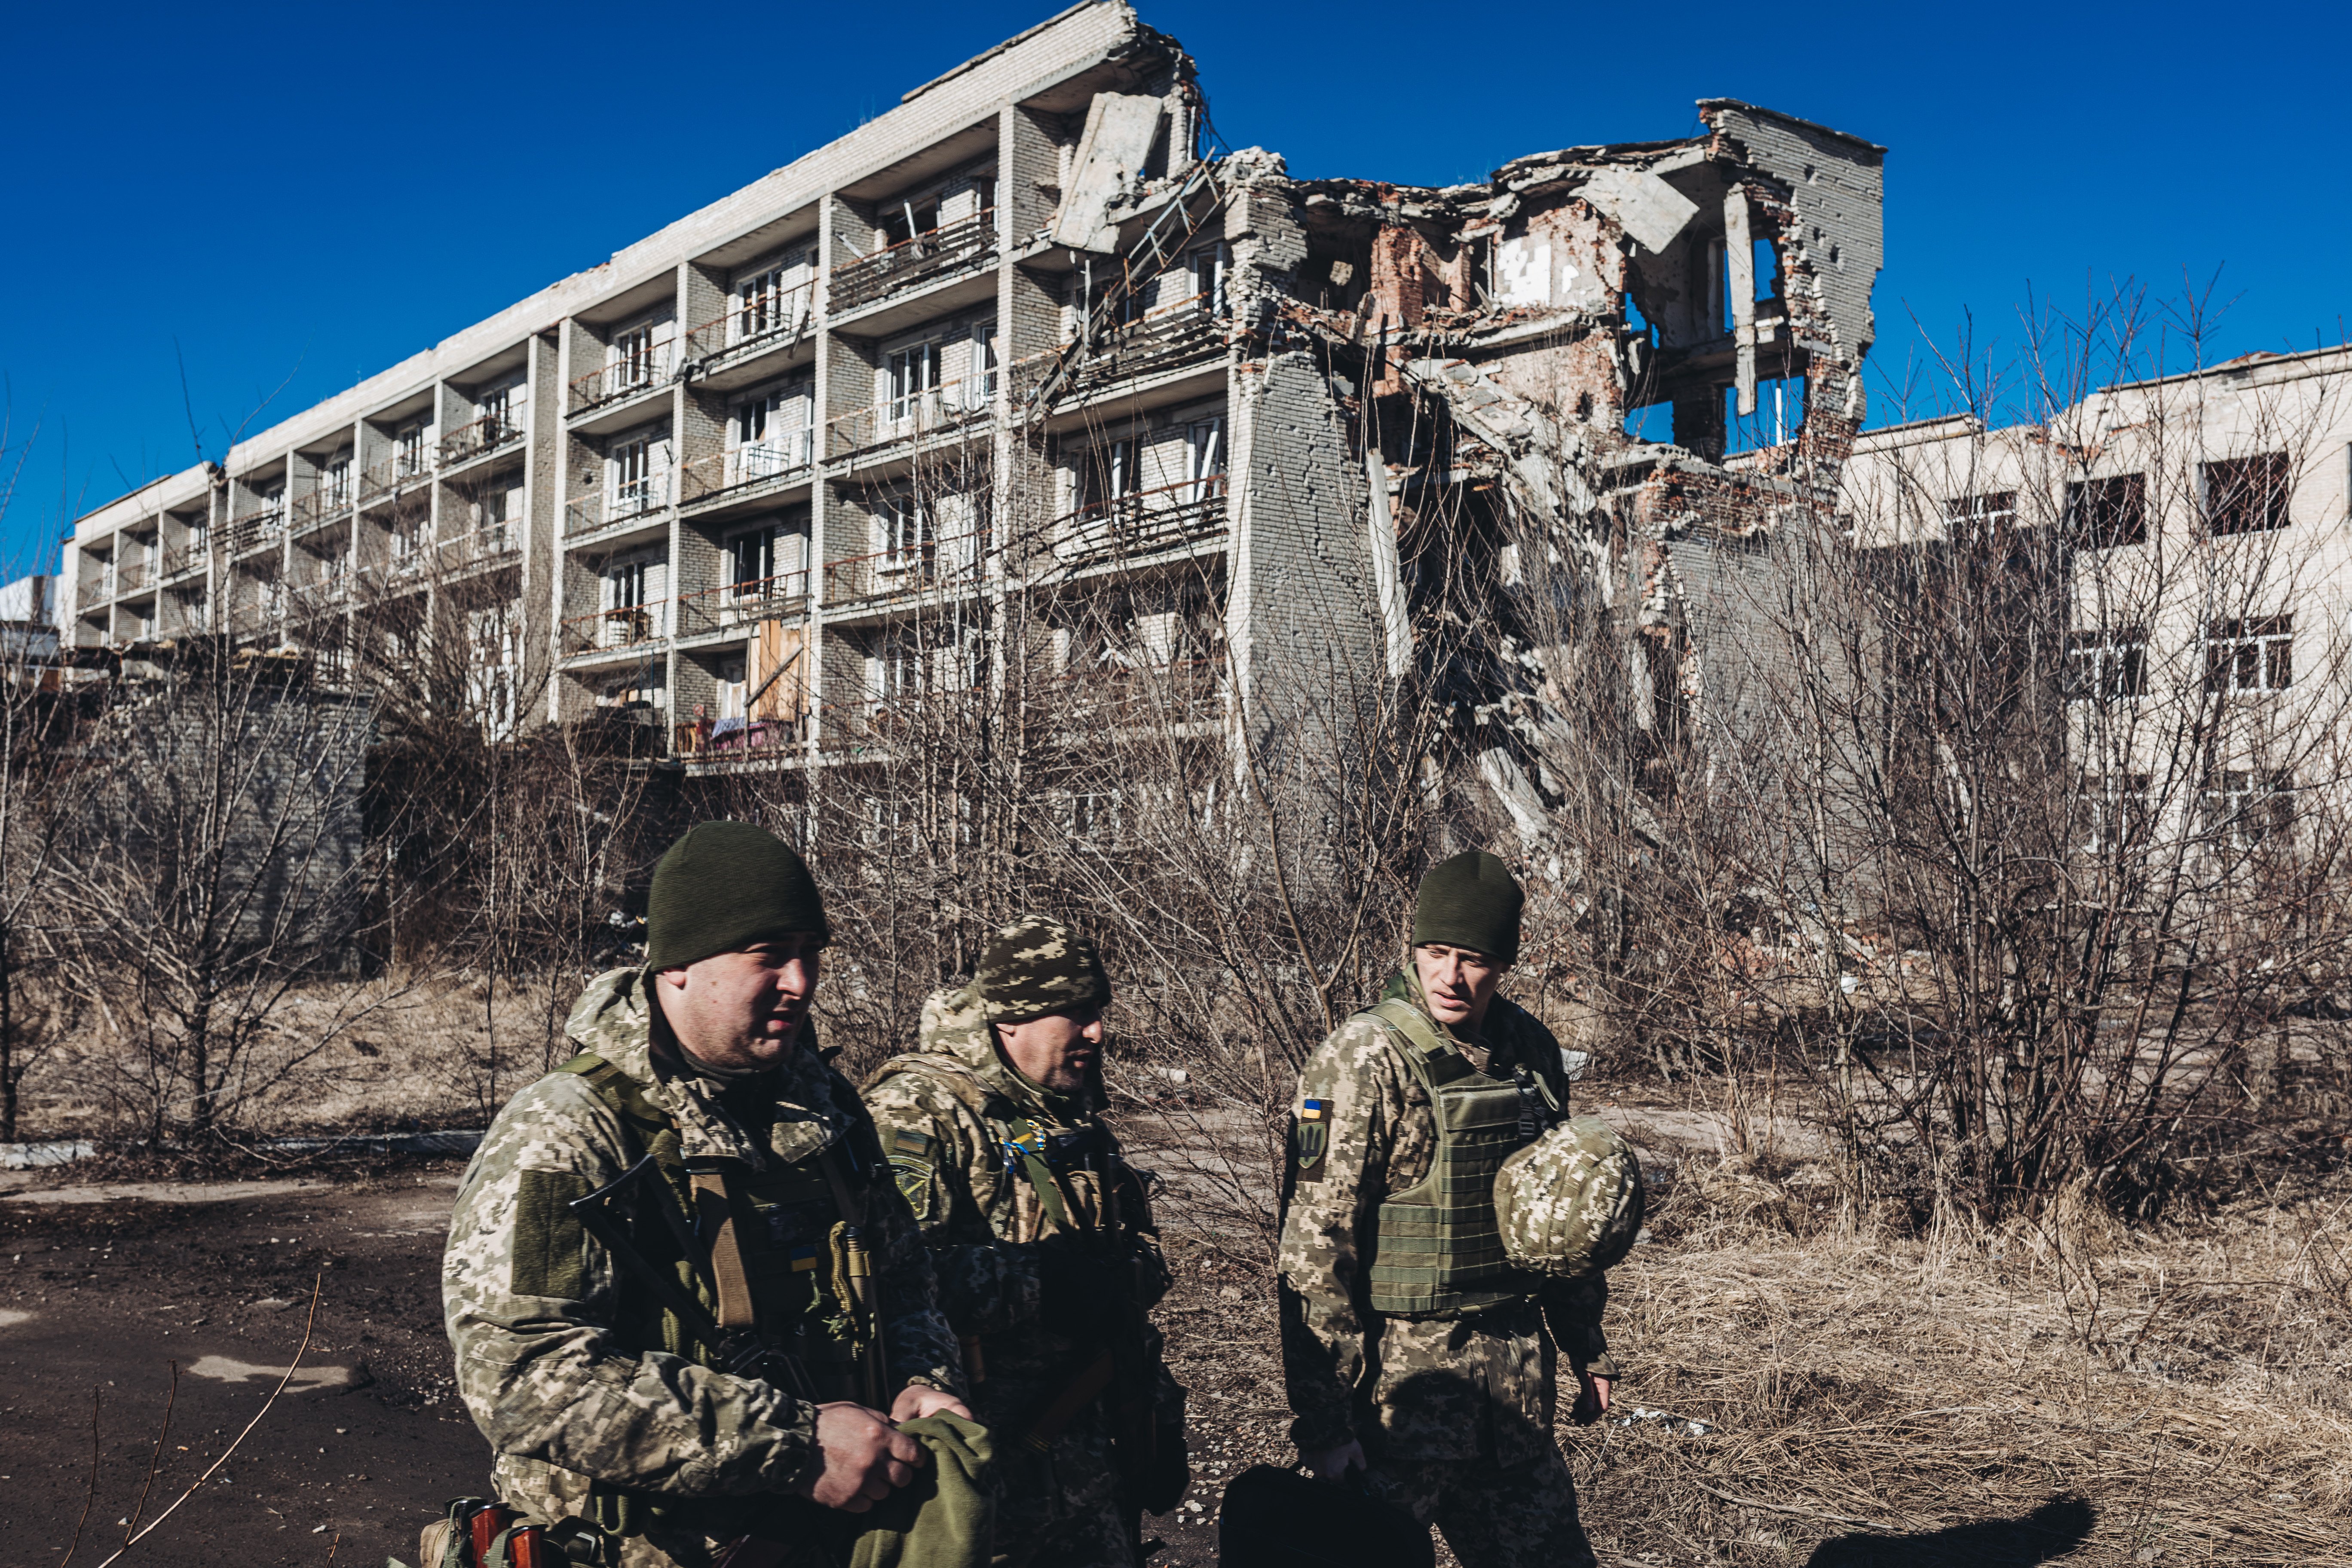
pixel 108 1286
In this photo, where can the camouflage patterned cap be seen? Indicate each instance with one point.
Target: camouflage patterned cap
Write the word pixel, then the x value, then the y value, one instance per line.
pixel 1569 1203
pixel 1036 966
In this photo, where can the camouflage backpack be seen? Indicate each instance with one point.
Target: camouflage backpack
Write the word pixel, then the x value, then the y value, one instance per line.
pixel 1569 1203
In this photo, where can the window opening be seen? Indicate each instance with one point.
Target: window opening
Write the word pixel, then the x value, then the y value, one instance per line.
pixel 2250 655
pixel 2105 664
pixel 2246 495
pixel 2104 513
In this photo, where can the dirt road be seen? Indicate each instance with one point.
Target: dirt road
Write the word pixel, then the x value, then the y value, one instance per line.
pixel 108 1287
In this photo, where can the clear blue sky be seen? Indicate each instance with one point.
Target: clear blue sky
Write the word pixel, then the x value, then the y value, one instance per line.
pixel 305 196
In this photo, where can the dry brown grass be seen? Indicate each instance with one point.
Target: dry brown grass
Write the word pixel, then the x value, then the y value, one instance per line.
pixel 404 1050
pixel 2187 1385
pixel 2071 1390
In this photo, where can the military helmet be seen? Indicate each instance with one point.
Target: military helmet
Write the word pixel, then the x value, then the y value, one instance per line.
pixel 1569 1203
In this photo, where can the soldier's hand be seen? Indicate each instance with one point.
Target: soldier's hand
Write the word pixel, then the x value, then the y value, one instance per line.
pixel 915 1402
pixel 1333 1463
pixel 1591 1398
pixel 865 1458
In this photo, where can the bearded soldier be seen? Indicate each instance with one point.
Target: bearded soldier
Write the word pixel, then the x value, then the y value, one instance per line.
pixel 679 1383
pixel 1413 1345
pixel 1046 1252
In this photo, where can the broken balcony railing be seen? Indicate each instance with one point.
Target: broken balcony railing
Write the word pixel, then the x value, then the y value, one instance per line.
pixel 634 369
pixel 931 255
pixel 909 569
pixel 1169 337
pixel 483 437
pixel 773 457
pixel 950 406
pixel 601 508
pixel 743 604
pixel 751 322
pixel 620 627
pixel 1141 522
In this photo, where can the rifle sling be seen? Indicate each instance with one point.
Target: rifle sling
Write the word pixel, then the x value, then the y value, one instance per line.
pixel 717 1205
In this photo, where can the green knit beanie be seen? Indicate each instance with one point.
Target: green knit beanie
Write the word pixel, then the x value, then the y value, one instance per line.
pixel 724 886
pixel 1470 901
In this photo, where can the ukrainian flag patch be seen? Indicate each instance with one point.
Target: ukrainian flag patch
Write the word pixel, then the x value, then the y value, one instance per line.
pixel 804 1257
pixel 1310 1110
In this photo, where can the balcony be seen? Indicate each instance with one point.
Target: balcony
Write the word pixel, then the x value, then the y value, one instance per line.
pixel 935 254
pixel 495 545
pixel 96 590
pixel 891 574
pixel 188 557
pixel 640 369
pixel 949 407
pixel 622 627
pixel 132 574
pixel 1142 523
pixel 1169 338
pixel 720 741
pixel 751 325
pixel 400 472
pixel 603 509
pixel 251 530
pixel 775 458
pixel 732 605
pixel 489 434
pixel 322 506
pixel 1183 691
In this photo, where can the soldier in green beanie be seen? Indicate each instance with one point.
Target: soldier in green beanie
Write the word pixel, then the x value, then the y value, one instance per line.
pixel 599 1399
pixel 1413 1348
pixel 1047 1255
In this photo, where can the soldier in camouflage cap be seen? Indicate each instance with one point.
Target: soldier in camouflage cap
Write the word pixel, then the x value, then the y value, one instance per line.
pixel 1037 965
pixel 1569 1204
pixel 1413 1345
pixel 1046 1252
pixel 596 1399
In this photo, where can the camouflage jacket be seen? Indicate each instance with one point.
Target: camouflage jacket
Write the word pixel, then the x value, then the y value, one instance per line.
pixel 983 1222
pixel 532 1303
pixel 1430 1388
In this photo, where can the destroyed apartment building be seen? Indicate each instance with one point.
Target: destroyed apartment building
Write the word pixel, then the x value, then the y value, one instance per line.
pixel 865 429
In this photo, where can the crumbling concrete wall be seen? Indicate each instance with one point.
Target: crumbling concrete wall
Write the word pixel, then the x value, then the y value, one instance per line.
pixel 1529 316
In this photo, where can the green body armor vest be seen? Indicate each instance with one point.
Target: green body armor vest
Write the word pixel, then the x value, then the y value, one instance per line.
pixel 787 1227
pixel 1439 1252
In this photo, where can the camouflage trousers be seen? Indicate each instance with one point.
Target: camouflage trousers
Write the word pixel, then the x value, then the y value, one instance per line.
pixel 1061 1510
pixel 1498 1516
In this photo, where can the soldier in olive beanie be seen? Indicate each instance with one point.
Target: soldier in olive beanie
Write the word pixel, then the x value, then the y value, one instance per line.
pixel 723 887
pixel 1470 901
pixel 1037 965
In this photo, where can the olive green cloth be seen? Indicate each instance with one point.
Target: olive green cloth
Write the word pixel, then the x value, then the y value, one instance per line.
pixel 945 1516
pixel 1472 901
pixel 724 886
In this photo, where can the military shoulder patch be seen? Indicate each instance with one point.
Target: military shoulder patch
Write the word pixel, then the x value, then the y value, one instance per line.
pixel 907 1141
pixel 1310 1137
pixel 914 1178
